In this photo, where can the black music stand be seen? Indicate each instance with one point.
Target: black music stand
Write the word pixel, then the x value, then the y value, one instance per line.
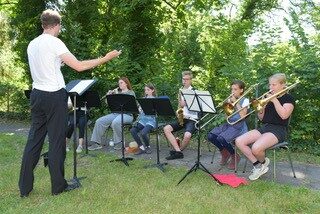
pixel 27 94
pixel 199 101
pixel 88 99
pixel 122 103
pixel 157 107
pixel 76 88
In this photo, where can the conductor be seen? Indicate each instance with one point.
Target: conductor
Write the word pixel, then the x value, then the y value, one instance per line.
pixel 48 100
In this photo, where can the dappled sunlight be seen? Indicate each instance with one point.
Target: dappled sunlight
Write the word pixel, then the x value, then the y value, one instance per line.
pixel 299 175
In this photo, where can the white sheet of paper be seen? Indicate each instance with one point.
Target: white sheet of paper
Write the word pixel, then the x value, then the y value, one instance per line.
pixel 83 84
pixel 205 100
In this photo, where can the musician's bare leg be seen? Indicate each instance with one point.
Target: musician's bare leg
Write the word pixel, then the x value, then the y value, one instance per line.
pixel 243 142
pixel 186 140
pixel 81 141
pixel 170 137
pixel 262 144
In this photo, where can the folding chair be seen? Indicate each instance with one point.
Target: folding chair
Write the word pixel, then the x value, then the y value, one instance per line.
pixel 281 145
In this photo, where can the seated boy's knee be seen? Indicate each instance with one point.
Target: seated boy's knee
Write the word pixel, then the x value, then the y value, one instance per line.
pixel 167 128
pixel 187 135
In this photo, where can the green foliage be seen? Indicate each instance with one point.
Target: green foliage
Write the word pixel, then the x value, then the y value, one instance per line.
pixel 11 84
pixel 162 38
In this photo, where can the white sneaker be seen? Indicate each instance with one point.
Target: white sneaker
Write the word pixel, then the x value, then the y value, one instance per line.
pixel 257 172
pixel 67 149
pixel 266 163
pixel 111 143
pixel 79 149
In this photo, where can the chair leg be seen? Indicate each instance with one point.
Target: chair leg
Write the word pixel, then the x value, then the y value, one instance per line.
pixel 274 165
pixel 213 154
pixel 208 144
pixel 235 159
pixel 290 160
pixel 245 166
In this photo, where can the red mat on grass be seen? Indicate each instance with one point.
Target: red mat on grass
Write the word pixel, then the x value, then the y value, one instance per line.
pixel 230 179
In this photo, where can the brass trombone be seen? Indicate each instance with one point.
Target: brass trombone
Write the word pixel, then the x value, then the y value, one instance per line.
pixel 259 103
pixel 230 107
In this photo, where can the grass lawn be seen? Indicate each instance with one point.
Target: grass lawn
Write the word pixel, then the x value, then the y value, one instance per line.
pixel 115 188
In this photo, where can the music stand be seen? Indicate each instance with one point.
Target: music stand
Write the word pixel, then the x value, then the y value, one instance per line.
pixel 199 101
pixel 27 94
pixel 157 107
pixel 88 99
pixel 122 103
pixel 76 88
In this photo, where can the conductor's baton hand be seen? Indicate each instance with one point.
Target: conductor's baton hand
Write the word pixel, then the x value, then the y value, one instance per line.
pixel 112 54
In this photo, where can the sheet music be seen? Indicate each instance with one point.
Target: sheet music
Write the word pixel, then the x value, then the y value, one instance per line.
pixel 81 86
pixel 204 97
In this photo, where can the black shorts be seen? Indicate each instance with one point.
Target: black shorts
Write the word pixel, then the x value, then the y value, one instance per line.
pixel 278 130
pixel 189 126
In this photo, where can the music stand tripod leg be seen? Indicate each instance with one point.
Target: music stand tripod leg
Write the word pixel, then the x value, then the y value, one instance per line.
pixel 75 180
pixel 123 158
pixel 158 164
pixel 86 133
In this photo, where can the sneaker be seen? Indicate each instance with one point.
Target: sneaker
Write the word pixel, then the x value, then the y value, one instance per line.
pixel 140 152
pixel 266 163
pixel 67 149
pixel 111 143
pixel 117 146
pixel 94 146
pixel 257 172
pixel 175 155
pixel 79 149
pixel 148 150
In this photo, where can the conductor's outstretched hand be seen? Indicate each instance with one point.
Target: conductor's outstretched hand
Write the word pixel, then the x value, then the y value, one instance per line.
pixel 112 54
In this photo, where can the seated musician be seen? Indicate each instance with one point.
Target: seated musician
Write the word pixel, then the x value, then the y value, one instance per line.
pixel 187 122
pixel 144 124
pixel 80 121
pixel 223 135
pixel 112 119
pixel 275 117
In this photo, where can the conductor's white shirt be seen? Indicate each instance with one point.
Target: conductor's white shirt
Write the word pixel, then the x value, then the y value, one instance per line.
pixel 44 61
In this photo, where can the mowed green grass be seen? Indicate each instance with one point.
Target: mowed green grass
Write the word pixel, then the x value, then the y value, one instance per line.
pixel 116 188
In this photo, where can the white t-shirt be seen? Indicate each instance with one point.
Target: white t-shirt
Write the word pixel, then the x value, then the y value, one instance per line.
pixel 45 63
pixel 245 103
pixel 189 114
